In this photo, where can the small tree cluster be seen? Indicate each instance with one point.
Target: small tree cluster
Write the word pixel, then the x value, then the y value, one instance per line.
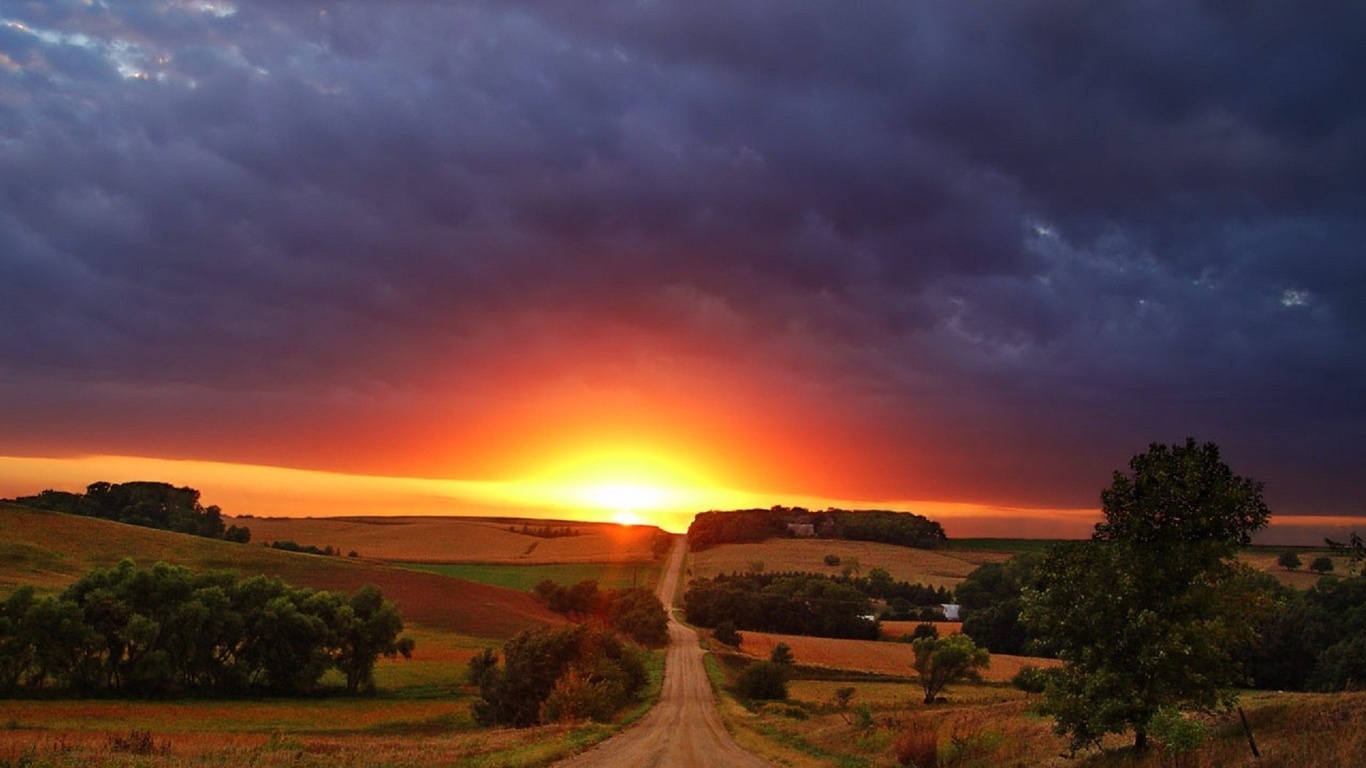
pixel 144 503
pixel 635 612
pixel 167 629
pixel 762 681
pixel 578 672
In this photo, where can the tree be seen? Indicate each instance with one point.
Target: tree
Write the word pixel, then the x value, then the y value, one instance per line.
pixel 941 661
pixel 764 680
pixel 1354 549
pixel 725 633
pixel 368 627
pixel 1153 611
pixel 1322 564
pixel 1289 561
pixel 782 654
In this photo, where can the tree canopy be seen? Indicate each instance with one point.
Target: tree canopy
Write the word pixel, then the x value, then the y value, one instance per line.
pixel 145 503
pixel 1153 611
pixel 170 630
pixel 942 661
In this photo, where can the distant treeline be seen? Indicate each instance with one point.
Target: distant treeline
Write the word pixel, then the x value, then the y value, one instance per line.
pixel 144 503
pixel 905 529
pixel 787 603
pixel 545 531
pixel 287 545
pixel 169 630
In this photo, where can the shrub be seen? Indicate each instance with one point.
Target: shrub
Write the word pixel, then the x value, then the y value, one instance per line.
pixel 1179 736
pixel 1321 564
pixel 918 745
pixel 925 630
pixel 725 633
pixel 762 681
pixel 832 560
pixel 782 654
pixel 1030 679
pixel 1289 561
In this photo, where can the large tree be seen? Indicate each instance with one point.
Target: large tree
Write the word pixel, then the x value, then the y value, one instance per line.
pixel 1153 611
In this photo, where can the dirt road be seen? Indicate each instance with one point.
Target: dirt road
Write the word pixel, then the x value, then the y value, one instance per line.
pixel 684 729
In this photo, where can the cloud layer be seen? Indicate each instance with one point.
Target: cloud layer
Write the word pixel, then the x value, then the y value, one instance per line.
pixel 979 251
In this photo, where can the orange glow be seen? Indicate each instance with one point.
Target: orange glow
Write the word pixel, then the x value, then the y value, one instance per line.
pixel 613 485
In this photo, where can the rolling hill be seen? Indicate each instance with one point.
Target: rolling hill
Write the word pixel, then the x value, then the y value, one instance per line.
pixel 50 550
pixel 459 539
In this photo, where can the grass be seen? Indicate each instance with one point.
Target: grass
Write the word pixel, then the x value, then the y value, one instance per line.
pixel 524 577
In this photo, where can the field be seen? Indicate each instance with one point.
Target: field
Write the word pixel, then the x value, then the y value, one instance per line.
pixel 423 722
pixel 458 540
pixel 873 656
pixel 524 577
pixel 420 717
pixel 54 549
pixel 994 725
pixel 937 568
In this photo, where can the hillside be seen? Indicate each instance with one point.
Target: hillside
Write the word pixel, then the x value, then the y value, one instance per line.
pixel 50 550
pixel 458 539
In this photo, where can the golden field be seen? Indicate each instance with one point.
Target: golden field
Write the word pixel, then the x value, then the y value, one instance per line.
pixel 937 567
pixel 458 540
pixel 876 656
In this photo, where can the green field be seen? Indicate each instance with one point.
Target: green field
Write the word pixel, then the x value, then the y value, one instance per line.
pixel 524 577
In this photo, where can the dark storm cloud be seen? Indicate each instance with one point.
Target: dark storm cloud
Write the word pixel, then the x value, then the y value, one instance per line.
pixel 1100 225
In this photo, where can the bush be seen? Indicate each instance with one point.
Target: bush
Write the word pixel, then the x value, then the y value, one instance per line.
pixel 1321 565
pixel 782 654
pixel 924 630
pixel 762 681
pixel 1179 736
pixel 1289 561
pixel 1030 679
pixel 557 675
pixel 725 633
pixel 918 745
pixel 832 560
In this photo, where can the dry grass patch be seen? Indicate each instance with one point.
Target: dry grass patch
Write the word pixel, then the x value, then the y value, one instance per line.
pixel 937 568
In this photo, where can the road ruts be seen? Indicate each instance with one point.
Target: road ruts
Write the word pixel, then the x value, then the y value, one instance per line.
pixel 683 730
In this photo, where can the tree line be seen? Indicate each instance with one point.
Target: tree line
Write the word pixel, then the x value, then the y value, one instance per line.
pixel 794 603
pixel 170 630
pixel 907 529
pixel 144 503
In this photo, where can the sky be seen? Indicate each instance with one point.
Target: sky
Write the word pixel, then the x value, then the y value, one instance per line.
pixel 947 256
